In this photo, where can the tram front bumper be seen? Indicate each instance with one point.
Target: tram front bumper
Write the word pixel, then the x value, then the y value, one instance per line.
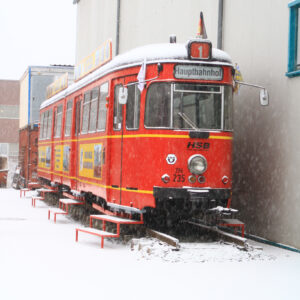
pixel 195 195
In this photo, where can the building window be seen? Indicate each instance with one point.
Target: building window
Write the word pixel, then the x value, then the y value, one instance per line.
pixel 294 40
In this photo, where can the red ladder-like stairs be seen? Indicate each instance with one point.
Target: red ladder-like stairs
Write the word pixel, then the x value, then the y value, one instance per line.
pixel 106 218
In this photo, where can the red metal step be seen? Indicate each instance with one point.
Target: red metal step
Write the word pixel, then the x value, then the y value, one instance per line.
pixel 103 234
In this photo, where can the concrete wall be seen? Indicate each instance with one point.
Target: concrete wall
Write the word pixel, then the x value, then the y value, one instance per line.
pixel 141 22
pixel 267 144
pixel 96 23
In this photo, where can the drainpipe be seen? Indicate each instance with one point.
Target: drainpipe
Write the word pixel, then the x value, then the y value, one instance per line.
pixel 118 27
pixel 220 25
pixel 28 126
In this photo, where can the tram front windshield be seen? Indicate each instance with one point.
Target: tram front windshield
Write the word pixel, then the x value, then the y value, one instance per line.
pixel 188 106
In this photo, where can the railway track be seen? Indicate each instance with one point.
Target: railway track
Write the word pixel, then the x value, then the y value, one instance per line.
pixel 220 235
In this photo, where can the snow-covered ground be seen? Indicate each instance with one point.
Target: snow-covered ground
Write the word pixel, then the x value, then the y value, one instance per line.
pixel 41 260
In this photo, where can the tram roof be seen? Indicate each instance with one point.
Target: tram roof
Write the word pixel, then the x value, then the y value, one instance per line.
pixel 154 53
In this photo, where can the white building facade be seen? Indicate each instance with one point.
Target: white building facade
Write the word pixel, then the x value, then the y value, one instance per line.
pixel 262 36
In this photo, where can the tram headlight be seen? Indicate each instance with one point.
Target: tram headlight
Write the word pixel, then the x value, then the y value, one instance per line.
pixel 197 164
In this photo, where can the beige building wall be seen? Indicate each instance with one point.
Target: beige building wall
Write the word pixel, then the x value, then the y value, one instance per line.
pixel 146 22
pixel 96 23
pixel 141 22
pixel 266 143
pixel 24 84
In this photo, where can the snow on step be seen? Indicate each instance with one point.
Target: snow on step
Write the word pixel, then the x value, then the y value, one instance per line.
pixel 232 221
pixel 97 232
pixel 94 231
pixel 114 219
pixel 69 201
pixel 57 211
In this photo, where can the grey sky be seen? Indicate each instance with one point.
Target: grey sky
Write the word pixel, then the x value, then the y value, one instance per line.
pixel 35 32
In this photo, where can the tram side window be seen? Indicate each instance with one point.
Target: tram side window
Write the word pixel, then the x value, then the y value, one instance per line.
pixel 133 107
pixel 45 124
pixel 102 106
pixel 42 126
pixel 49 124
pixel 158 106
pixel 86 112
pixel 117 109
pixel 93 113
pixel 78 118
pixel 68 118
pixel 58 119
pixel 228 108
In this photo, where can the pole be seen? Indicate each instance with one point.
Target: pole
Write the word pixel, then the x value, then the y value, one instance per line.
pixel 118 27
pixel 220 25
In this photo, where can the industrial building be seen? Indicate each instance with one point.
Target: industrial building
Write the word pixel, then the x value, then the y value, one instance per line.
pixel 262 36
pixel 33 87
pixel 9 126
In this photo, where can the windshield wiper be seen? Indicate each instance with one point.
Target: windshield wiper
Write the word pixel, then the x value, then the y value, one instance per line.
pixel 188 120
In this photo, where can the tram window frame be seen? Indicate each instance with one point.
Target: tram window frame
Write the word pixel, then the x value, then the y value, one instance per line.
pixel 86 112
pixel 102 109
pixel 58 121
pixel 93 110
pixel 293 68
pixel 68 117
pixel 118 109
pixel 172 88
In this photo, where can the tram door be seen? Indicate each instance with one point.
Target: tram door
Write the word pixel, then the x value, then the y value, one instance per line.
pixel 125 123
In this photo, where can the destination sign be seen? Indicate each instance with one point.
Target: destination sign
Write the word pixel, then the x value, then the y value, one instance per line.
pixel 198 72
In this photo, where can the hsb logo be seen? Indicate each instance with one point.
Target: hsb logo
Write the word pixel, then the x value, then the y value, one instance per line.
pixel 198 146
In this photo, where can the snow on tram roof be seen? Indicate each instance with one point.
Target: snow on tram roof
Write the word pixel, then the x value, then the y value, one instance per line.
pixel 168 52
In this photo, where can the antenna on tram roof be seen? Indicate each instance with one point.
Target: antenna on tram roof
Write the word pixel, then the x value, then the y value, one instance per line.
pixel 201 28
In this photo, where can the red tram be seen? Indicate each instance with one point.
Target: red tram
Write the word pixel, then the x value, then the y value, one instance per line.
pixel 163 142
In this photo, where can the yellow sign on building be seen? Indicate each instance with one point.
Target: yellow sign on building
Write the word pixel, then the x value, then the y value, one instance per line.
pixel 58 85
pixel 99 57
